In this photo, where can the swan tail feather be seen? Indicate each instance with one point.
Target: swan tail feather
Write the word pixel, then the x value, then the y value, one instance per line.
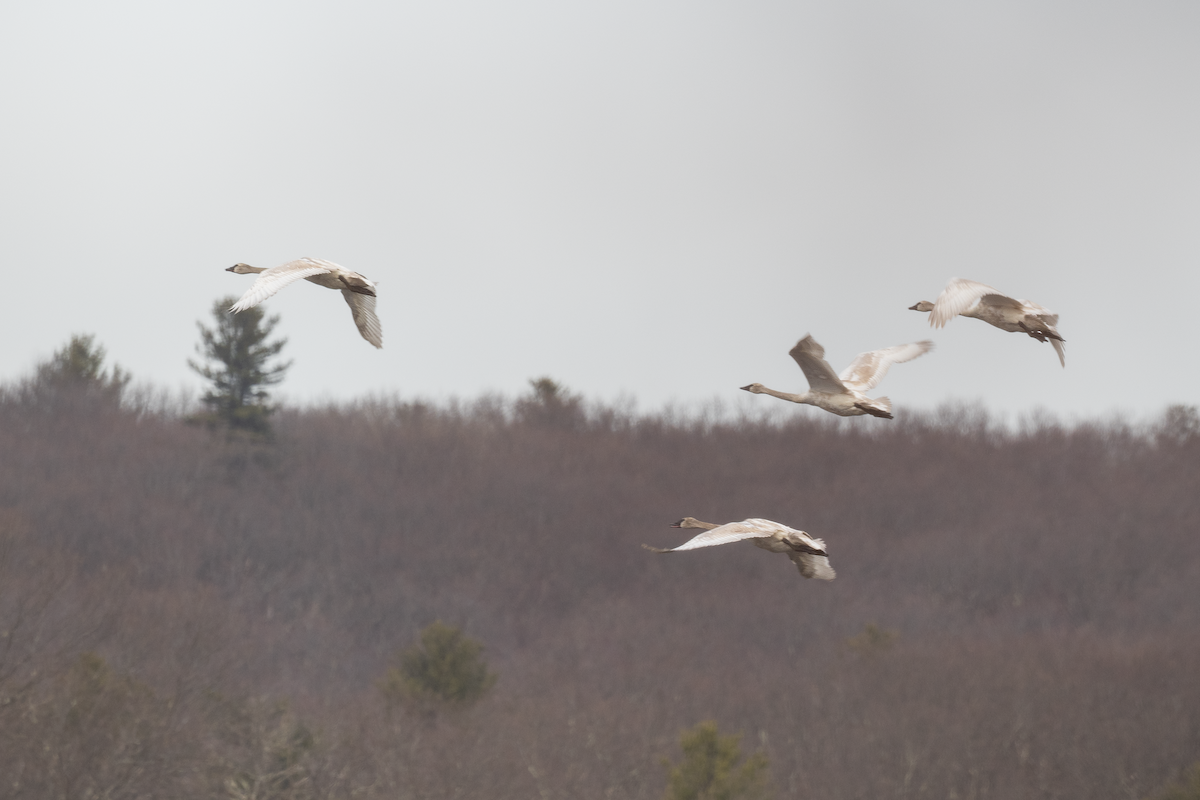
pixel 358 285
pixel 879 407
pixel 813 566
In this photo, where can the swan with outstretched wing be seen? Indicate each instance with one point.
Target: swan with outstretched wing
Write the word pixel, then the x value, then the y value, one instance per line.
pixel 358 291
pixel 966 298
pixel 845 394
pixel 806 552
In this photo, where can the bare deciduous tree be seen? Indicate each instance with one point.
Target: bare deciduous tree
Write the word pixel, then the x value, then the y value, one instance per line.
pixel 1040 577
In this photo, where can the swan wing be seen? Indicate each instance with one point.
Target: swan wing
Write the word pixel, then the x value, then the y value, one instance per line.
pixel 321 262
pixel 274 279
pixel 810 356
pixel 867 369
pixel 1004 301
pixel 1058 348
pixel 724 534
pixel 813 566
pixel 960 295
pixel 362 307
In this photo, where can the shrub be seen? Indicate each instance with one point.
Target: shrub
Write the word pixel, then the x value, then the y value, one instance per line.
pixel 1187 789
pixel 710 768
pixel 873 641
pixel 445 669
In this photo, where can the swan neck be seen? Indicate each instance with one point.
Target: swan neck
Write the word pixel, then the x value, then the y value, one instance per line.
pixel 794 398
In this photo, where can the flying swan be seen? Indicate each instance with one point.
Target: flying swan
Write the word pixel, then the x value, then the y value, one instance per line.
pixel 358 291
pixel 978 300
pixel 845 394
pixel 806 552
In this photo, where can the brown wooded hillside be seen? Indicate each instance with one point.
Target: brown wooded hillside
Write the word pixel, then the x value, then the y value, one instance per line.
pixel 1043 583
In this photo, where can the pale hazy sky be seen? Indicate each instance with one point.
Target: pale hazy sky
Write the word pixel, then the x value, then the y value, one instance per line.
pixel 647 199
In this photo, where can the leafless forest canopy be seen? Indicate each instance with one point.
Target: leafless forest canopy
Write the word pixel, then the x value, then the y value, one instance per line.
pixel 164 590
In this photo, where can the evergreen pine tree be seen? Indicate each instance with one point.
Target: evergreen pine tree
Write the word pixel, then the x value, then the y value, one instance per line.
pixel 75 377
pixel 237 351
pixel 446 669
pixel 551 405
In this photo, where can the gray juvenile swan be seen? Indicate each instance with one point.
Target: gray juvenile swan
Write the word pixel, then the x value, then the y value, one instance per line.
pixel 806 552
pixel 966 298
pixel 845 394
pixel 358 291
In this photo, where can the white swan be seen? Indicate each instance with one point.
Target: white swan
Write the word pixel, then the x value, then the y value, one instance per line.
pixel 978 300
pixel 844 394
pixel 358 291
pixel 806 552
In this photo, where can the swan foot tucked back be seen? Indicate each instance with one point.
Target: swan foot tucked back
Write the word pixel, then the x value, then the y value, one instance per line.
pixel 358 291
pixel 806 552
pixel 966 298
pixel 845 394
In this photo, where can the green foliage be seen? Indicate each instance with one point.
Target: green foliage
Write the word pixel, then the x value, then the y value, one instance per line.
pixel 446 669
pixel 1186 789
pixel 710 769
pixel 76 371
pixel 237 351
pixel 873 641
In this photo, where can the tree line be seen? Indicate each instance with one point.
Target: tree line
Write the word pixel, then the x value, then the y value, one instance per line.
pixel 186 613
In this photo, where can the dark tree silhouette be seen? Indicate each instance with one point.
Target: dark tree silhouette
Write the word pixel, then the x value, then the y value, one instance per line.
pixel 550 405
pixel 1040 577
pixel 445 669
pixel 76 373
pixel 1180 424
pixel 238 345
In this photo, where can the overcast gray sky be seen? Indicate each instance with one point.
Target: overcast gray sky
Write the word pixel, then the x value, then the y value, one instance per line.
pixel 648 199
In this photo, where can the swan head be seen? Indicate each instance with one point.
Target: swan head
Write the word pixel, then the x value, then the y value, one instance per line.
pixel 924 305
pixel 754 388
pixel 689 522
pixel 242 269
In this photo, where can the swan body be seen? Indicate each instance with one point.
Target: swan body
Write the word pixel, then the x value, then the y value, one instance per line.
pixel 845 394
pixel 806 552
pixel 966 298
pixel 358 290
